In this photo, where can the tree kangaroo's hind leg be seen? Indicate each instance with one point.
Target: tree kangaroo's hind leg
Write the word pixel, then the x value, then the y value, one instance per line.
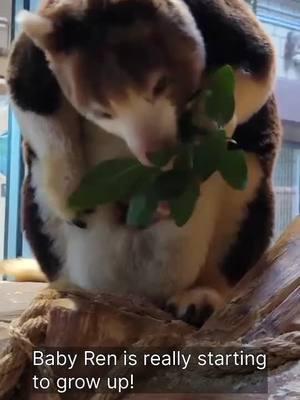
pixel 232 35
pixel 245 225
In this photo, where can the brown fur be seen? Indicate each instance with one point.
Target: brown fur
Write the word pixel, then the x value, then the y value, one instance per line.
pixel 130 40
pixel 234 35
pixel 40 242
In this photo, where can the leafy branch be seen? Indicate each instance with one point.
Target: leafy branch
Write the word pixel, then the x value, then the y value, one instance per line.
pixel 203 151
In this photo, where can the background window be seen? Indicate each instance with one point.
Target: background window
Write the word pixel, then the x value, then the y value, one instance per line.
pixel 3 160
pixel 5 31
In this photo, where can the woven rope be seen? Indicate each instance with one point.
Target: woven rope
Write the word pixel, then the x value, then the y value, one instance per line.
pixel 29 331
pixel 25 333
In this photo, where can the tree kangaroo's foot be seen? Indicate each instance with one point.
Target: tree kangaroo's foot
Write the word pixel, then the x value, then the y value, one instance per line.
pixel 21 270
pixel 196 305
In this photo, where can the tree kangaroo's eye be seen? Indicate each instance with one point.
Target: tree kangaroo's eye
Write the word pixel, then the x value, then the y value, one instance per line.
pixel 161 86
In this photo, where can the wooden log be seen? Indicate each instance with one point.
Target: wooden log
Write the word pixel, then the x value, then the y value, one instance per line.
pixel 261 292
pixel 106 320
pixel 15 298
pixel 264 309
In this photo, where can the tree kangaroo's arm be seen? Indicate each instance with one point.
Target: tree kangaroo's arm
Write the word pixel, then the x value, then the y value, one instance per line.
pixel 233 35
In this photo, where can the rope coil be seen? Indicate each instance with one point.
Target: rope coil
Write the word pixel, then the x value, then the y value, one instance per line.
pixel 25 333
pixel 30 329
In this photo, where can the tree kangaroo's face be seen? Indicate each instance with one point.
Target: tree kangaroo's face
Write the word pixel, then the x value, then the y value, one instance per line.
pixel 129 66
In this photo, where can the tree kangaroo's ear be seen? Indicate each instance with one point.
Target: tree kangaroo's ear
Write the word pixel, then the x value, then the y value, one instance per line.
pixel 38 28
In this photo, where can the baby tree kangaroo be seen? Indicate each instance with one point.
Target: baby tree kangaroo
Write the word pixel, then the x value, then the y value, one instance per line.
pixel 93 80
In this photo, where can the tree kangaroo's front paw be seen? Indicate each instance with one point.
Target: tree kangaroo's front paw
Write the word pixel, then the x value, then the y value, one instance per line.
pixel 196 305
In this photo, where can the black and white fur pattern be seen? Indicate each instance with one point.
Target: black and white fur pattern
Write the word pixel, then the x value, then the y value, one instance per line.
pixel 191 269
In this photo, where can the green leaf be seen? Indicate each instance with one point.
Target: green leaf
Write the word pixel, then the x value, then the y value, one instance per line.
pixel 233 168
pixel 145 181
pixel 187 130
pixel 141 210
pixel 207 155
pixel 110 181
pixel 198 116
pixel 185 157
pixel 219 98
pixel 170 184
pixel 183 206
pixel 161 158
